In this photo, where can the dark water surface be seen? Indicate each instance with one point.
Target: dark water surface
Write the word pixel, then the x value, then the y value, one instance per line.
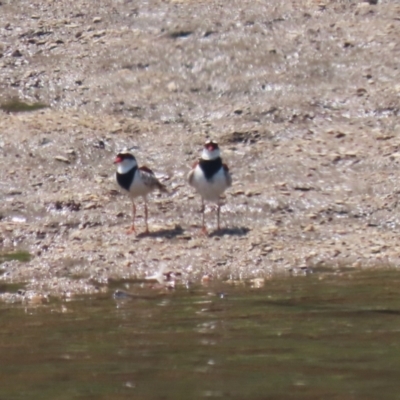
pixel 314 337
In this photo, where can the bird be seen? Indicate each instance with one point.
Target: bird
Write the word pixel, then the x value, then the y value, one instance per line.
pixel 137 181
pixel 210 177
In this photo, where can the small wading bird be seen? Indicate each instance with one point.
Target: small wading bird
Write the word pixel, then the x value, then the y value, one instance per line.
pixel 137 181
pixel 210 177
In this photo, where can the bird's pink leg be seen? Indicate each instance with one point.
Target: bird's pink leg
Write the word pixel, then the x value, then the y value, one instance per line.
pixel 132 228
pixel 203 225
pixel 145 217
pixel 218 212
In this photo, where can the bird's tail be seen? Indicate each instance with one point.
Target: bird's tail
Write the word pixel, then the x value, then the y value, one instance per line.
pixel 161 187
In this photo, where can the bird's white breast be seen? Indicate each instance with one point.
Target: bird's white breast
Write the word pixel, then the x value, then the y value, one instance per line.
pixel 125 166
pixel 209 189
pixel 138 187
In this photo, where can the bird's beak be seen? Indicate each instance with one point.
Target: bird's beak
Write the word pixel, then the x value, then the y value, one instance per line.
pixel 117 160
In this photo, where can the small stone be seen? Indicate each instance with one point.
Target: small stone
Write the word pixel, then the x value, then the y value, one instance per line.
pixel 238 192
pixel 257 283
pixel 270 229
pixel 195 243
pixel 76 235
pixel 172 87
pixel 361 92
pixel 206 278
pixel 14 192
pixel 336 252
pixel 96 20
pixel 384 136
pixel 16 53
pixel 185 237
pixel 376 249
pixel 303 188
pixel 62 159
pixel 90 206
pixel 266 250
pixel 116 128
pixel 251 193
pixel 99 34
pixel 337 134
pixel 36 299
pixel 309 228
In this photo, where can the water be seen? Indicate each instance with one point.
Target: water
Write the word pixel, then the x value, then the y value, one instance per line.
pixel 315 337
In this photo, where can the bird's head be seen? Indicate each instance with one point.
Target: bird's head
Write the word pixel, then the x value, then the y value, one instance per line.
pixel 210 151
pixel 125 161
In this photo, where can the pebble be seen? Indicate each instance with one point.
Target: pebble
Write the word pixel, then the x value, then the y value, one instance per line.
pixel 16 53
pixel 252 192
pixel 90 206
pixel 375 249
pixel 257 283
pixel 195 243
pixel 98 34
pixel 62 159
pixel 172 87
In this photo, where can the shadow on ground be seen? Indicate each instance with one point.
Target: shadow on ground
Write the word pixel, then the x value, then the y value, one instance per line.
pixel 235 231
pixel 163 233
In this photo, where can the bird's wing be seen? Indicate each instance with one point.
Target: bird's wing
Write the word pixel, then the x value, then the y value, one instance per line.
pixel 191 173
pixel 149 179
pixel 227 175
